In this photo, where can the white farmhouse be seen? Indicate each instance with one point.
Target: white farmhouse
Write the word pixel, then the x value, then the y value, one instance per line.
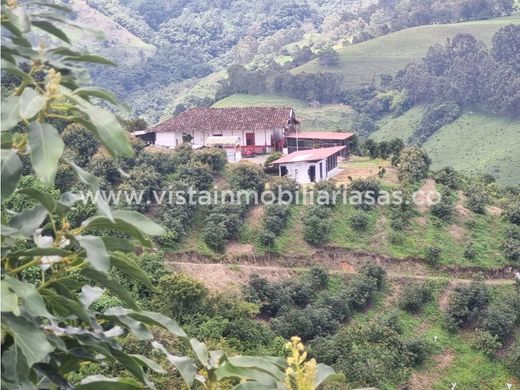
pixel 309 166
pixel 260 129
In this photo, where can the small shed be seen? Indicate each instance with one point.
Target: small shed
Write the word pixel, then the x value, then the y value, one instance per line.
pixel 306 140
pixel 310 166
pixel 230 144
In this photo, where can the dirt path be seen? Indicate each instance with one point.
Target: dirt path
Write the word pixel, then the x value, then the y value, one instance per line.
pixel 425 192
pixel 220 277
pixel 425 380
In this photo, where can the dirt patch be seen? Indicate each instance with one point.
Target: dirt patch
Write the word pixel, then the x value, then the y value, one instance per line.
pixel 335 259
pixel 380 236
pixel 444 298
pixel 494 211
pixel 426 380
pixel 229 277
pixel 255 216
pixel 348 268
pixel 362 168
pixel 460 210
pixel 457 232
pixel 423 196
pixel 396 289
pixel 236 249
pixel 422 220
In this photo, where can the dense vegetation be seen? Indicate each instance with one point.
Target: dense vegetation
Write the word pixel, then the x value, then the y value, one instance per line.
pixel 90 299
pixel 193 39
pixel 72 292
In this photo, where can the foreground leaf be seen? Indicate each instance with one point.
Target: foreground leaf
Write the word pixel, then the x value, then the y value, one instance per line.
pixel 100 382
pixel 29 220
pixel 32 103
pixel 97 255
pixel 46 150
pixel 11 172
pixel 10 111
pixel 28 337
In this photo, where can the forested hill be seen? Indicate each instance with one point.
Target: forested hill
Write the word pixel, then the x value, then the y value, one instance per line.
pixel 163 48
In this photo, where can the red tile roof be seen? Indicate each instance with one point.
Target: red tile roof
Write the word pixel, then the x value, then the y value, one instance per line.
pixel 327 135
pixel 232 118
pixel 309 155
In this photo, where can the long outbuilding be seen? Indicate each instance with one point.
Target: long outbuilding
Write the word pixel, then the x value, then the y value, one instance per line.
pixel 310 166
pixel 307 140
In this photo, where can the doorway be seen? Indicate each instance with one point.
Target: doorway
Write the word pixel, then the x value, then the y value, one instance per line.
pixel 312 173
pixel 250 139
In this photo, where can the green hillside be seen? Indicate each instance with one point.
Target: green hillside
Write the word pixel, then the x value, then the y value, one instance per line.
pixel 326 117
pixel 365 61
pixel 401 127
pixel 478 142
pixel 474 143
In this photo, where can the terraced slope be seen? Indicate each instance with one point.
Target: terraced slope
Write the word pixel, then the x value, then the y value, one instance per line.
pixel 365 61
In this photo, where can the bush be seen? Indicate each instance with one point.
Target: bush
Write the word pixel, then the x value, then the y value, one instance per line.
pixel 413 165
pixel 414 297
pixel 364 192
pixel 444 208
pixel 197 175
pixel 215 235
pixel 309 323
pixel 375 272
pixel 418 350
pixel 511 245
pixel 466 304
pixel 402 213
pixel 316 225
pixel 449 177
pixel 433 255
pixel 359 221
pixel 318 278
pixel 80 142
pixel 272 157
pixel 247 176
pixel 102 165
pixel 275 218
pixel 500 320
pixel 215 158
pixel 272 298
pixel 513 359
pixel 282 186
pixel 513 213
pixel 372 148
pixel 469 251
pixel 486 342
pixel 476 198
pixel 267 237
pixel 65 178
pixel 179 295
pixel 349 351
pixel 164 162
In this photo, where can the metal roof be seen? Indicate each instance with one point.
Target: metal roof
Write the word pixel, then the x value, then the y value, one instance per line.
pixel 326 135
pixel 309 155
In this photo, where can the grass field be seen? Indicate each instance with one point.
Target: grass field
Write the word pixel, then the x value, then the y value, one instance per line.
pixel 365 61
pixel 475 143
pixel 401 127
pixel 327 117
